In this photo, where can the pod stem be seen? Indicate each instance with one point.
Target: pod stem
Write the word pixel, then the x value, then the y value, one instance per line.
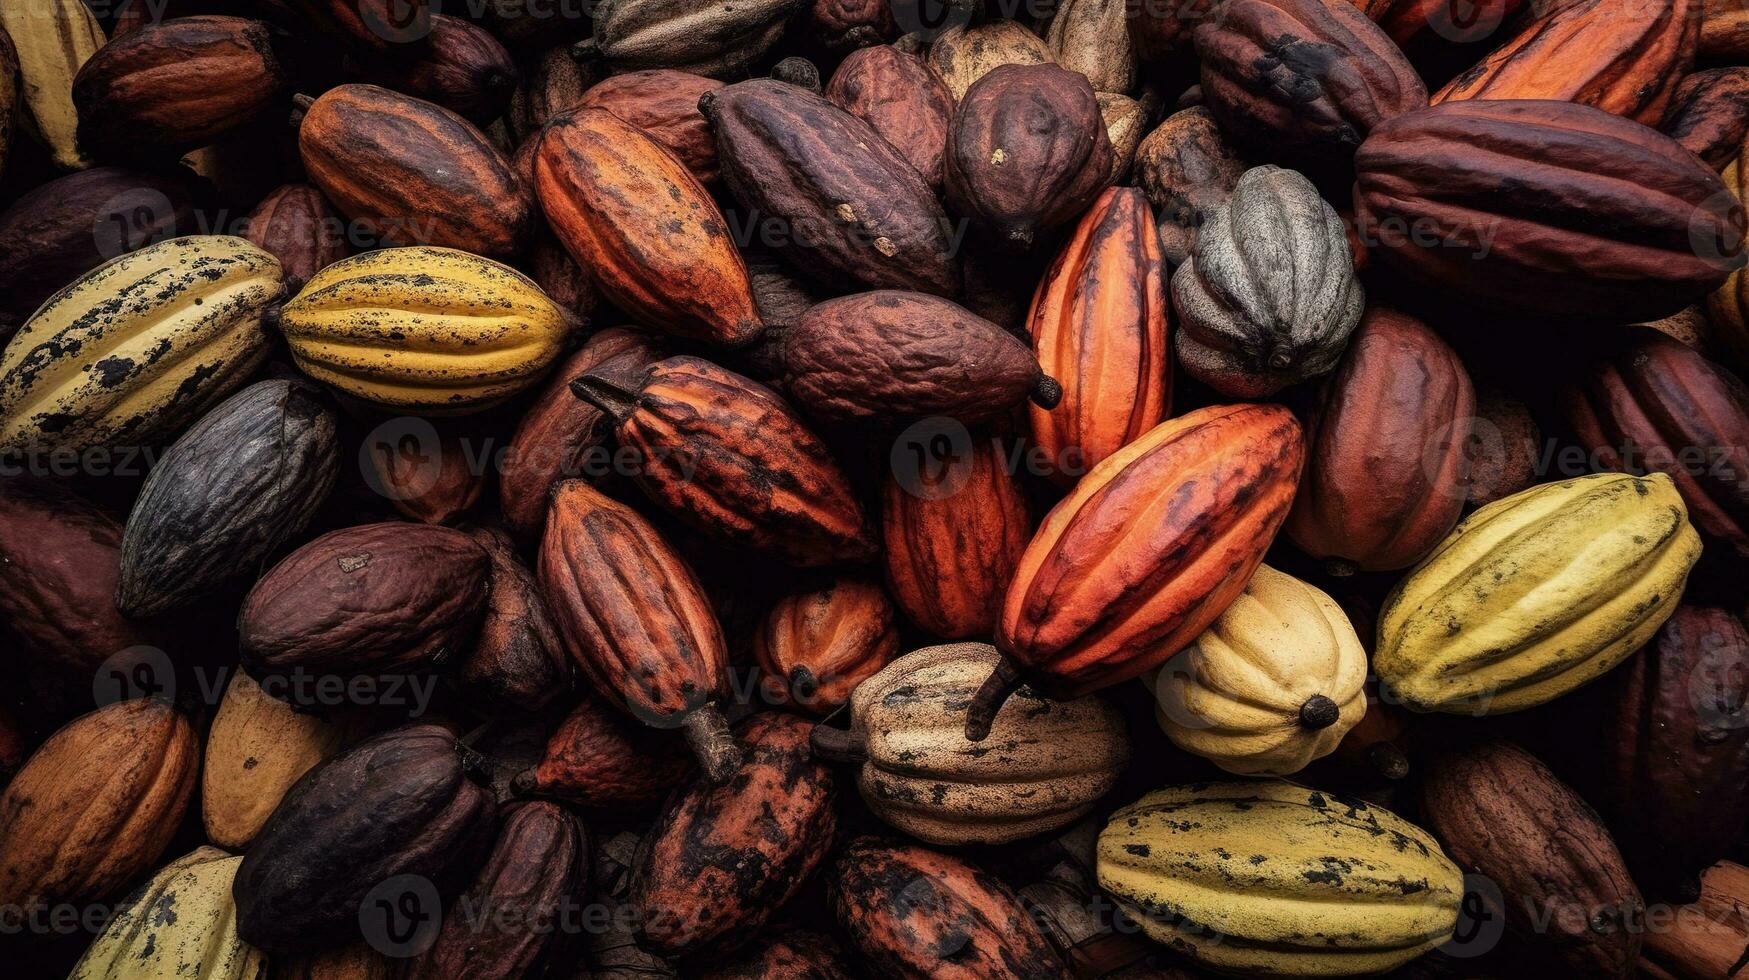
pixel 1002 682
pixel 837 744
pixel 1047 393
pixel 803 685
pixel 300 108
pixel 524 783
pixel 1389 760
pixel 610 394
pixel 585 50
pixel 708 734
pixel 1319 712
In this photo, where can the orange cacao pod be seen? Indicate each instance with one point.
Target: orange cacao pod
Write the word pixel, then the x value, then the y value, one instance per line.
pixel 633 616
pixel 820 644
pixel 726 455
pixel 635 217
pixel 1100 322
pixel 601 760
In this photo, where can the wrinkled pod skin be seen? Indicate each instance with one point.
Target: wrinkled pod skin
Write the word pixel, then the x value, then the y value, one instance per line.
pixel 1091 606
pixel 721 859
pixel 402 802
pixel 632 615
pixel 298 226
pixel 517 663
pixel 603 761
pixel 729 457
pixel 897 94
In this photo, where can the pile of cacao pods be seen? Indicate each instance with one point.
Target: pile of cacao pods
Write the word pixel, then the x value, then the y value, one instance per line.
pixel 873 488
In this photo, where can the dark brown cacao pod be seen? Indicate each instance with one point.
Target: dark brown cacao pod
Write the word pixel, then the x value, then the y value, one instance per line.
pixel 302 230
pixel 400 803
pixel 238 484
pixel 375 599
pixel 955 528
pixel 1660 407
pixel 560 434
pixel 790 954
pixel 845 25
pixel 462 67
pixel 1302 81
pixel 828 191
pixel 897 94
pixel 1387 466
pixel 73 224
pixel 516 918
pixel 602 761
pixel 722 858
pixel 893 356
pixel 1678 751
pixel 1709 114
pixel 633 616
pixel 1506 447
pixel 176 85
pixel 1501 813
pixel 388 26
pixel 919 914
pixel 416 173
pixel 517 663
pixel 727 456
pixel 1027 151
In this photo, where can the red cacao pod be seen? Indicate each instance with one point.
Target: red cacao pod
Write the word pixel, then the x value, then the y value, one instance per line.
pixel 896 93
pixel 818 645
pixel 517 663
pixel 302 230
pixel 602 761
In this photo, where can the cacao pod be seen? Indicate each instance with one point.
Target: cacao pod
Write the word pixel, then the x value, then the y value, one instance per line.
pixel 257 748
pixel 819 645
pixel 1273 684
pixel 413 172
pixel 1268 296
pixel 53 39
pixel 134 350
pixel 1205 494
pixel 906 103
pixel 302 230
pixel 1504 815
pixel 1506 448
pixel 1557 180
pixel 1048 764
pixel 1266 878
pixel 1027 151
pixel 920 915
pixel 399 803
pixel 1126 123
pixel 460 67
pixel 727 456
pixel 1537 594
pixel 1099 323
pixel 664 104
pixel 1709 114
pixel 1724 29
pixel 955 527
pixel 377 599
pixel 181 924
pixel 1678 755
pixel 1727 307
pixel 1304 81
pixel 424 330
pixel 633 616
pixel 645 229
pixel 383 26
pixel 517 664
pixel 535 877
pixel 1659 407
pixel 722 858
pixel 1444 37
pixel 1189 171
pixel 894 356
pixel 555 86
pixel 1092 37
pixel 601 761
pixel 829 192
pixel 850 25
pixel 175 85
pixel 239 483
pixel 1622 56
pixel 1706 939
pixel 427 475
pixel 96 804
pixel 1387 468
pixel 703 37
pixel 69 226
pixel 560 432
pixel 964 53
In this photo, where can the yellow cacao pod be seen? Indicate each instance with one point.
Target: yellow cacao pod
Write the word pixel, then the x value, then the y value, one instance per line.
pixel 54 39
pixel 257 748
pixel 1537 594
pixel 181 926
pixel 1266 878
pixel 428 330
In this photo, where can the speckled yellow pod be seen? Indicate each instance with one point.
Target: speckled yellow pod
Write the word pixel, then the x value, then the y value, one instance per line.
pixel 136 349
pixel 183 924
pixel 1267 878
pixel 1537 594
pixel 427 330
pixel 1275 683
